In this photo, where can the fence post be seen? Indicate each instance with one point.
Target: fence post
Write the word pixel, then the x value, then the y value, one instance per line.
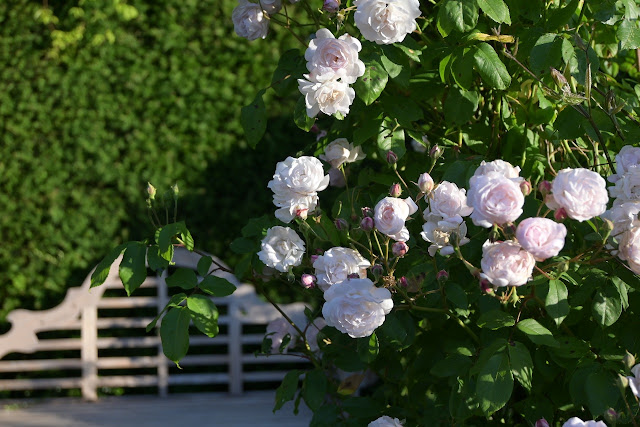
pixel 89 352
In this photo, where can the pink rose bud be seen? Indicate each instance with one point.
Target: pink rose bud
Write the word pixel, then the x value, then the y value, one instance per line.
pixel 331 6
pixel 308 281
pixel 314 129
pixel 485 286
pixel 525 187
pixel 302 213
pixel 425 182
pixel 542 423
pixel 377 271
pixel 560 215
pixel 403 282
pixel 395 190
pixel 367 223
pixel 436 151
pixel 400 249
pixel 442 276
pixel 341 224
pixel 366 211
pixel 544 187
pixel 611 416
pixel 313 258
pixel 151 190
pixel 392 158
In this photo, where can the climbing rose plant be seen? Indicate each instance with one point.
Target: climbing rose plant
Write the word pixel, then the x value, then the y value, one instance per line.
pixel 462 220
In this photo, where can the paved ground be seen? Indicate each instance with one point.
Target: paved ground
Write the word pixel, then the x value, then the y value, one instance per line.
pixel 249 410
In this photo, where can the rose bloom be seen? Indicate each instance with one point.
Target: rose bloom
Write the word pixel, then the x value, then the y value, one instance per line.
pixel 495 199
pixel 627 187
pixel 249 20
pixel 500 166
pixel 577 422
pixel 271 6
pixel 336 264
pixel 329 58
pixel 311 334
pixel 356 307
pixel 622 215
pixel 542 237
pixel 629 247
pixel 634 381
pixel 281 248
pixel 341 151
pixel 386 21
pixel 330 97
pixel 390 215
pixel 385 421
pixel 448 201
pixel 628 156
pixel 506 263
pixel 581 192
pixel 276 331
pixel 443 234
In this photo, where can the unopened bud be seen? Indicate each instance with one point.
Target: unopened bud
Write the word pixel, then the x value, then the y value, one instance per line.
pixel 392 158
pixel 622 382
pixel 542 423
pixel 367 223
pixel 175 190
pixel 525 187
pixel 400 249
pixel 366 211
pixel 314 129
pixel 403 282
pixel 341 224
pixel 308 281
pixel 607 225
pixel 486 286
pixel 151 190
pixel 611 416
pixel 313 258
pixel 377 271
pixel 442 276
pixel 560 215
pixel 610 101
pixel 559 78
pixel 494 234
pixel 544 187
pixel 629 360
pixel 291 278
pixel 425 183
pixel 331 6
pixel 436 152
pixel 395 190
pixel 563 267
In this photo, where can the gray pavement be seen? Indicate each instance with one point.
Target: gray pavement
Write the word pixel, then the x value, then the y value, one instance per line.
pixel 249 410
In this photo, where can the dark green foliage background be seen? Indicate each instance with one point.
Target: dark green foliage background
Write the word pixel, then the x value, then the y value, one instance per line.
pixel 87 121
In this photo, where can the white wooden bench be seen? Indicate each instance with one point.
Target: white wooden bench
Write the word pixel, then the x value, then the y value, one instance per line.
pixel 96 340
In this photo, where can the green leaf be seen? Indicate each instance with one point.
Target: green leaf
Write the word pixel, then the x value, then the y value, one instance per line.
pixel 204 264
pixel 537 333
pixel 164 238
pixel 622 290
pixel 101 272
pixel 133 268
pixel 556 302
pixel 243 245
pixel 390 140
pixel 372 83
pixel 183 277
pixel 204 314
pixel 287 390
pixel 629 34
pixel 290 67
pixel 460 105
pixel 490 67
pixel 560 17
pixel 456 295
pixel 547 52
pixel 155 261
pixel 607 305
pixel 602 392
pixel 253 118
pixel 496 319
pixel 462 68
pixel 454 365
pixel 495 383
pixel 173 302
pixel 174 334
pixel 496 10
pixel 217 286
pixel 368 348
pixel 300 117
pixel 521 364
pixel 461 15
pixel 314 389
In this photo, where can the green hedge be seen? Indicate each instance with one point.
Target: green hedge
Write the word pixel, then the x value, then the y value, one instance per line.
pixel 100 97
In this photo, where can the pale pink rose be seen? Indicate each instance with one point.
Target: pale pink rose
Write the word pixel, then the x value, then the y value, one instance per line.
pixel 500 166
pixel 356 307
pixel 385 421
pixel 577 422
pixel 330 97
pixel 542 237
pixel 341 151
pixel 336 264
pixel 629 247
pixel 495 199
pixel 506 263
pixel 390 216
pixel 447 201
pixel 329 58
pixel 249 20
pixel 622 215
pixel 581 192
pixel 386 21
pixel 281 249
pixel 628 156
pixel 627 186
pixel 443 234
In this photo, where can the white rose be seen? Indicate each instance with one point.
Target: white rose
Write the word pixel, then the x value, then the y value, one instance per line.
pixel 495 199
pixel 443 233
pixel 311 334
pixel 629 247
pixel 622 215
pixel 628 156
pixel 386 21
pixel 249 20
pixel 581 192
pixel 271 6
pixel 385 421
pixel 336 264
pixel 390 215
pixel 281 248
pixel 577 422
pixel 291 205
pixel 627 186
pixel 277 330
pixel 500 166
pixel 330 97
pixel 448 201
pixel 329 58
pixel 356 307
pixel 542 237
pixel 506 263
pixel 341 151
pixel 634 381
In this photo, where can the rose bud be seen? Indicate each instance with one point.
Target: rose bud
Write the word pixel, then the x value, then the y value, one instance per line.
pixel 308 281
pixel 367 223
pixel 392 158
pixel 367 211
pixel 341 224
pixel 442 276
pixel 436 151
pixel 313 258
pixel 395 190
pixel 542 423
pixel 331 6
pixel 425 183
pixel 560 215
pixel 544 187
pixel 403 282
pixel 151 190
pixel 400 249
pixel 525 187
pixel 377 271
